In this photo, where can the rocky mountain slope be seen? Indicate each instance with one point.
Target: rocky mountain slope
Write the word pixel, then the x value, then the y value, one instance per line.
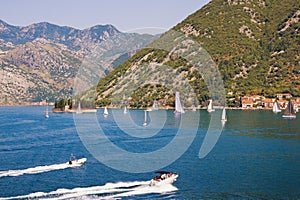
pixel 41 61
pixel 74 39
pixel 254 44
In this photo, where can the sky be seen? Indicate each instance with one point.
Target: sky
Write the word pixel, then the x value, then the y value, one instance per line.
pixel 150 16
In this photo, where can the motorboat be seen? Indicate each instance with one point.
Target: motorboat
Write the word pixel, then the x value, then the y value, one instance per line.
pixel 164 177
pixel 76 162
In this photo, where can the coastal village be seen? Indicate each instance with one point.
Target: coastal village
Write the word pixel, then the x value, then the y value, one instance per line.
pixel 261 102
pixel 247 102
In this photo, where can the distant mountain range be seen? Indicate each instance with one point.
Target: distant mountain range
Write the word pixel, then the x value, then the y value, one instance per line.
pixel 254 43
pixel 41 61
pixel 73 38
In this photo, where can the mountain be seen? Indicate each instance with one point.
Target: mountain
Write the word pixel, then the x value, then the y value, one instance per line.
pixel 73 38
pixel 254 44
pixel 42 61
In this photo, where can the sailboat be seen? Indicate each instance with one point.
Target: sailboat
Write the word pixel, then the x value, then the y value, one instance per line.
pixel 178 107
pixel 289 112
pixel 210 106
pixel 276 108
pixel 79 111
pixel 145 118
pixel 47 112
pixel 155 105
pixel 105 113
pixel 194 109
pixel 125 110
pixel 224 118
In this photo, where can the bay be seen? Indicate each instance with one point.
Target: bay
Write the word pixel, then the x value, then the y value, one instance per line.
pixel 256 157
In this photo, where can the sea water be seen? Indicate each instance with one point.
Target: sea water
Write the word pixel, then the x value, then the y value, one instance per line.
pixel 256 157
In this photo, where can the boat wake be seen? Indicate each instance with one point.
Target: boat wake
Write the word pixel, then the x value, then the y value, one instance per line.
pixel 107 191
pixel 41 169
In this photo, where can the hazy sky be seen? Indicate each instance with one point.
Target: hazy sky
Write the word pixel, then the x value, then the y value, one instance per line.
pixel 125 15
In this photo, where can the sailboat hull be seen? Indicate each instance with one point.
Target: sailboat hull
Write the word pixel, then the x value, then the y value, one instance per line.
pixel 289 116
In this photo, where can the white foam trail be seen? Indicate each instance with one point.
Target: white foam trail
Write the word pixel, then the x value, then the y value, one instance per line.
pixel 111 190
pixel 161 189
pixel 40 169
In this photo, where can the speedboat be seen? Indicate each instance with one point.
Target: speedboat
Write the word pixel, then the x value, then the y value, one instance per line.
pixel 77 162
pixel 163 178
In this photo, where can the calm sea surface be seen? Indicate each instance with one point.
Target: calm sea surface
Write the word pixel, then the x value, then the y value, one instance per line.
pixel 256 157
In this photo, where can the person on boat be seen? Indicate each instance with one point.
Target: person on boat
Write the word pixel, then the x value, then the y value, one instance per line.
pixel 75 159
pixel 70 161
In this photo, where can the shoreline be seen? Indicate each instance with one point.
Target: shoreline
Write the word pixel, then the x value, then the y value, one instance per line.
pixel 111 107
pixel 83 110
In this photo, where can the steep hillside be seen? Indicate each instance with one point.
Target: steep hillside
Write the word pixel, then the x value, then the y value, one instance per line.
pixel 254 43
pixel 42 69
pixel 41 61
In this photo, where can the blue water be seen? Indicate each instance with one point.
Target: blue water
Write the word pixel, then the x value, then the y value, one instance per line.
pixel 256 157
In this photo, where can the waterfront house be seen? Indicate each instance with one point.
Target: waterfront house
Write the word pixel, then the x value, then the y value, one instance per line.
pixel 250 101
pixel 296 104
pixel 282 103
pixel 258 101
pixel 283 96
pixel 247 103
pixel 268 103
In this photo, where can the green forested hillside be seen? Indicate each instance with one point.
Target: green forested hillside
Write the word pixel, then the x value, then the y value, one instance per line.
pixel 254 43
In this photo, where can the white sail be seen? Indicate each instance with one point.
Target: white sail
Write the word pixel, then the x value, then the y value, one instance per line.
pixel 155 105
pixel 194 108
pixel 178 107
pixel 125 110
pixel 276 108
pixel 78 111
pixel 145 118
pixel 210 106
pixel 105 111
pixel 47 113
pixel 224 115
